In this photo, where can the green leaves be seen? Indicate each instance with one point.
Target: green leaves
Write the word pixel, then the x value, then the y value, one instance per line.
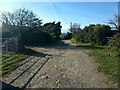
pixel 54 29
pixel 115 41
pixel 11 62
pixel 95 34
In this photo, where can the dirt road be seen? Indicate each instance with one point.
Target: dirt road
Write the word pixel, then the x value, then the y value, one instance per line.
pixel 62 66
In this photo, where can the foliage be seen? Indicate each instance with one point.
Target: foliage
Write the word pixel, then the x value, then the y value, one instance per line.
pixel 69 35
pixel 63 36
pixel 36 37
pixel 53 29
pixel 73 41
pixel 107 63
pixel 101 32
pixel 115 41
pixel 26 26
pixel 74 27
pixel 21 17
pixel 95 34
pixel 11 62
pixel 114 45
pixel 80 44
pixel 6 34
pixel 66 35
pixel 115 23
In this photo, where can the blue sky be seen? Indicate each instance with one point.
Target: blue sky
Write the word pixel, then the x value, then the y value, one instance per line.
pixel 84 13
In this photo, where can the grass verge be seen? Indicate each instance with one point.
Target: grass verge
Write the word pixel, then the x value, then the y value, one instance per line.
pixel 10 62
pixel 107 63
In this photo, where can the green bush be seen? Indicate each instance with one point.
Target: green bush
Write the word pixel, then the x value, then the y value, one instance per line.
pixel 115 41
pixel 95 34
pixel 63 36
pixel 36 37
pixel 66 35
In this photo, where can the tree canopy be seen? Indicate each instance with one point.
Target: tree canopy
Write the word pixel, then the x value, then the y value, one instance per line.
pixel 21 17
pixel 93 34
pixel 28 28
pixel 53 29
pixel 115 22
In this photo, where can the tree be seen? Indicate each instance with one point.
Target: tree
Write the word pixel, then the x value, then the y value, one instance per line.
pixel 74 30
pixel 8 18
pixel 18 21
pixel 101 32
pixel 57 29
pixel 25 17
pixel 88 34
pixel 53 29
pixel 115 22
pixel 69 35
pixel 95 34
pixel 74 27
pixel 25 25
pixel 7 22
pixel 21 17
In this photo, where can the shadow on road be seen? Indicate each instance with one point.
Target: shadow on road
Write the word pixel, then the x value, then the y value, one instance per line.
pixel 5 86
pixel 66 44
pixel 28 51
pixel 61 44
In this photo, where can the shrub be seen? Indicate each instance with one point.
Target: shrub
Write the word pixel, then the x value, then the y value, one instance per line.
pixel 63 36
pixel 95 34
pixel 115 41
pixel 36 38
pixel 114 44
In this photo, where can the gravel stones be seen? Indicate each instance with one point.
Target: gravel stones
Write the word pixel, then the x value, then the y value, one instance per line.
pixel 64 66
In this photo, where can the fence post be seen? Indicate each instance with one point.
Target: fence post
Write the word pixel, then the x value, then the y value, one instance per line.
pixel 16 43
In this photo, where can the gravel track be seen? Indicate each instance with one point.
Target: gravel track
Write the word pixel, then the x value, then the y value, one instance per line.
pixel 64 66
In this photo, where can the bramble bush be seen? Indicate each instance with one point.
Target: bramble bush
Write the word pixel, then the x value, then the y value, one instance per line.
pixel 115 41
pixel 114 44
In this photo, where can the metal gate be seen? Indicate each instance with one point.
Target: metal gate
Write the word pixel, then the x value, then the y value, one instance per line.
pixel 9 45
